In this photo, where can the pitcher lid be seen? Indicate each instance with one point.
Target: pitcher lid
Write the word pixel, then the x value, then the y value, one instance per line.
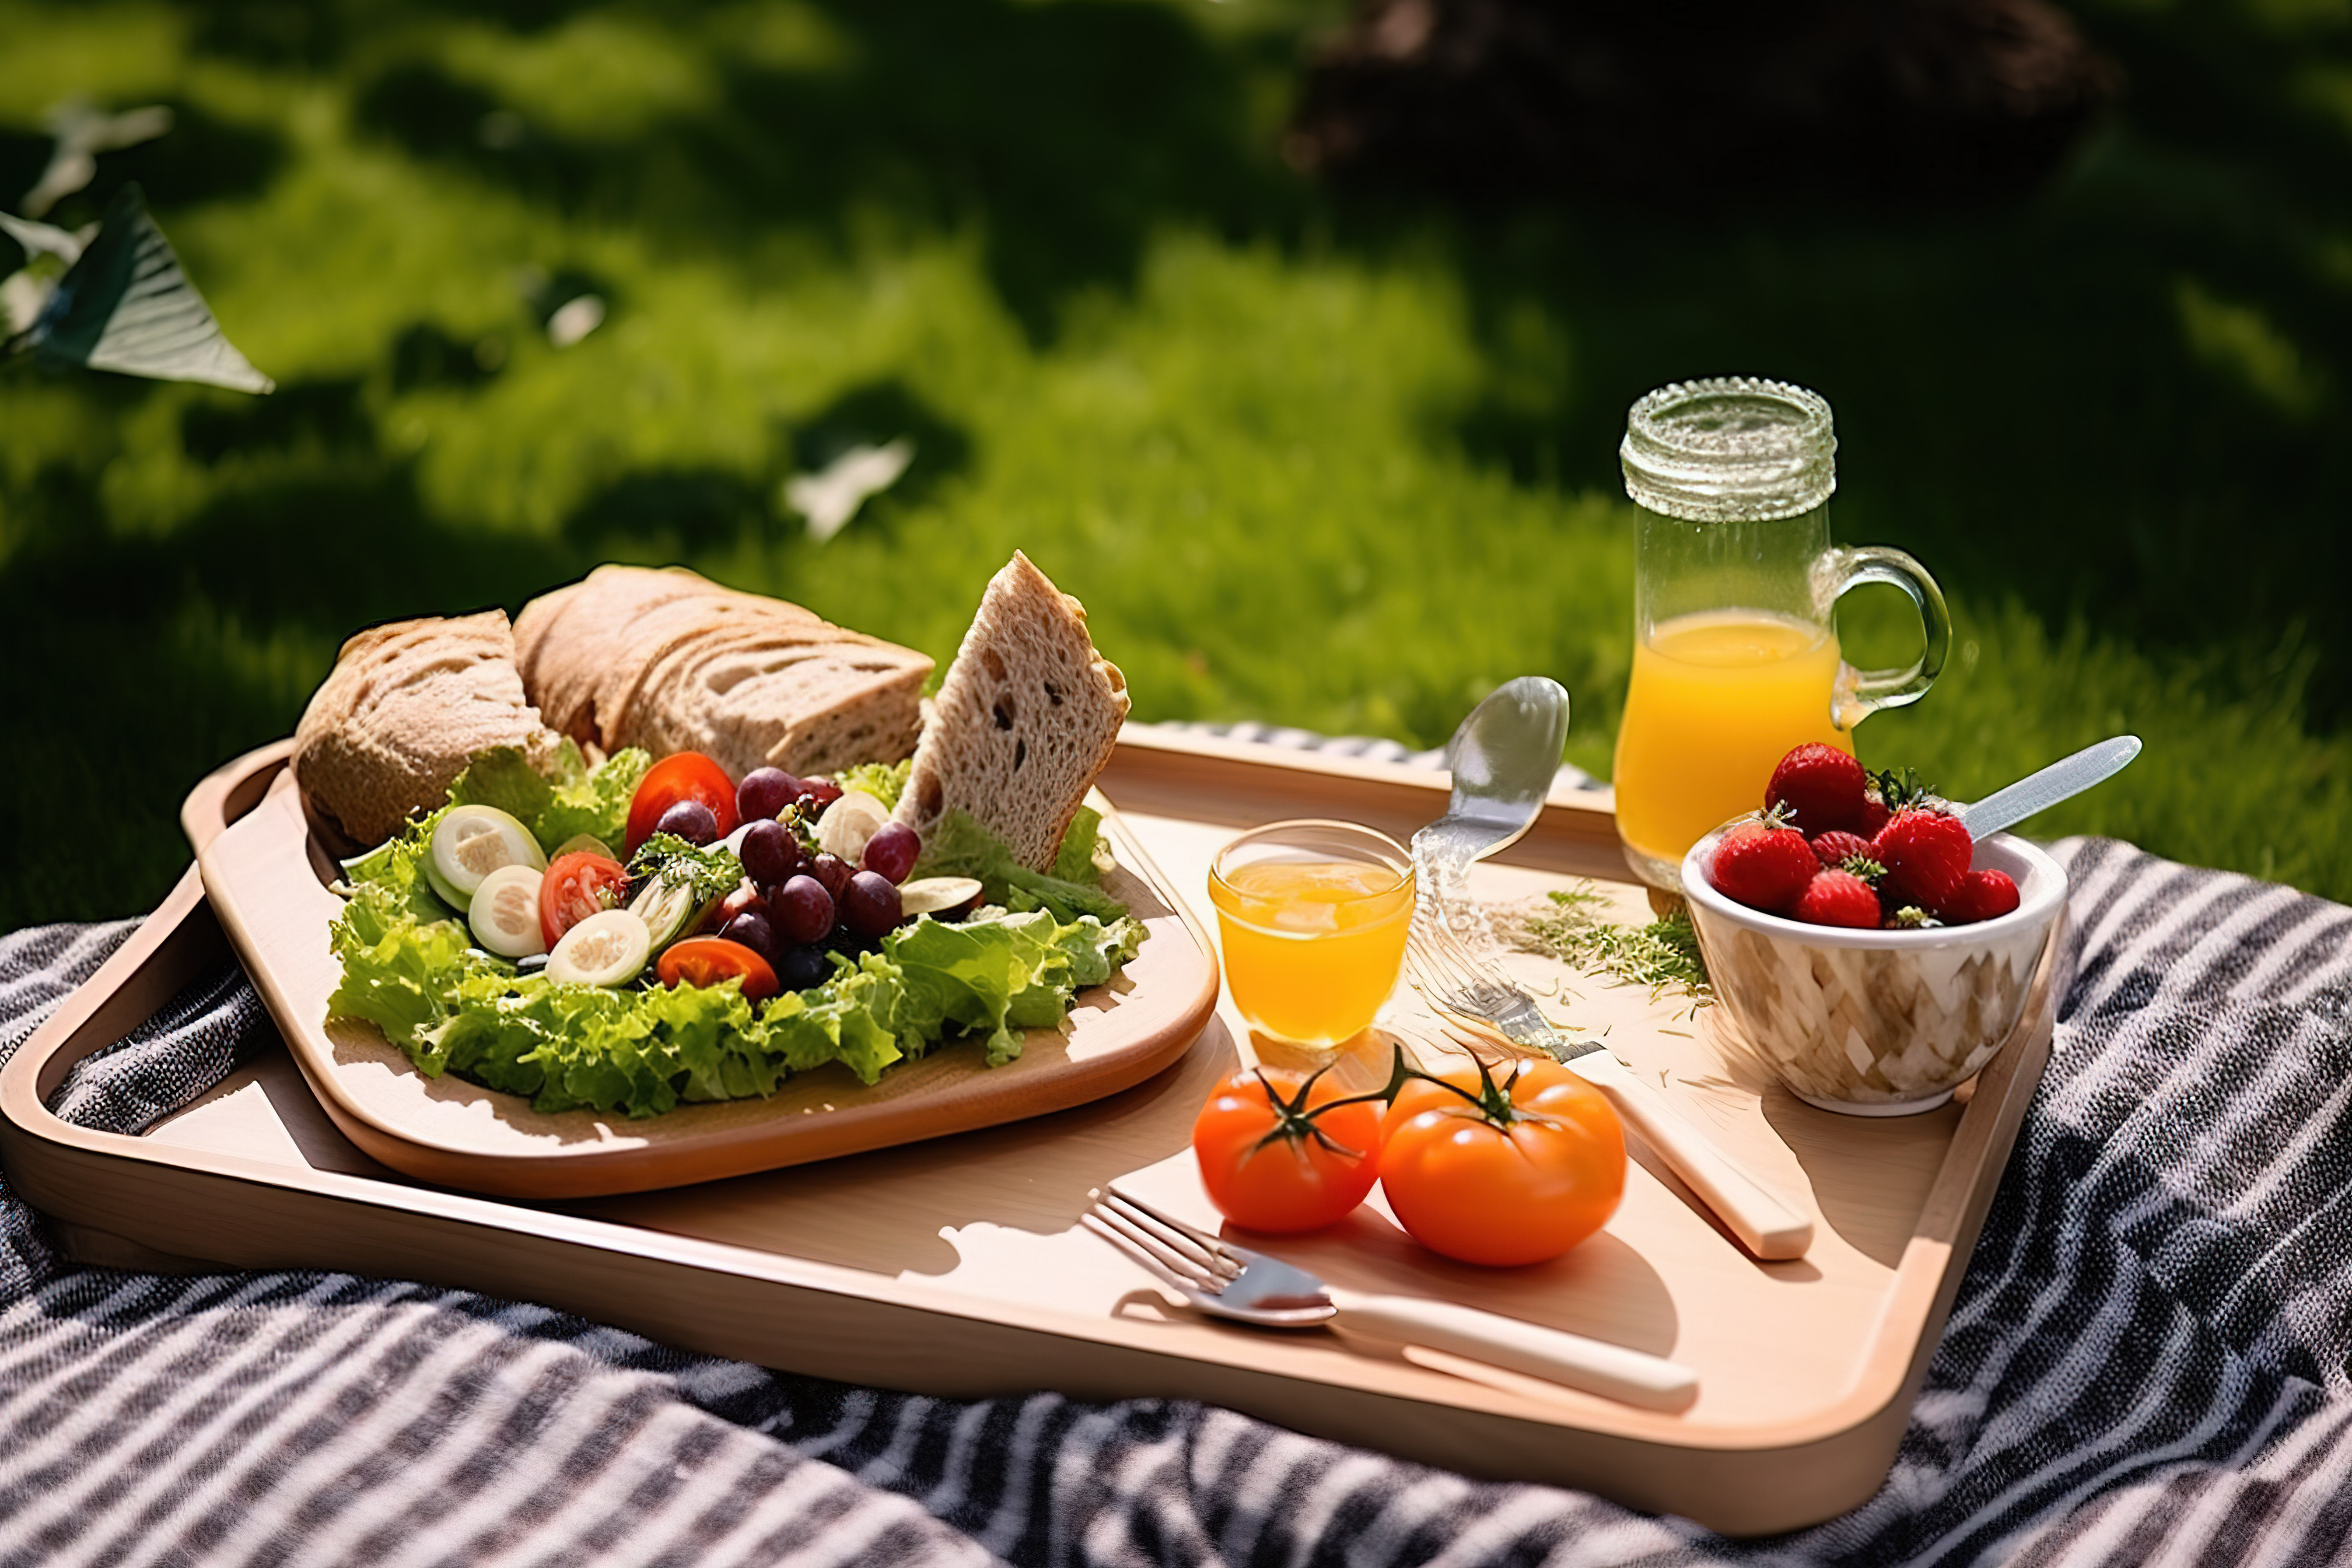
pixel 1729 449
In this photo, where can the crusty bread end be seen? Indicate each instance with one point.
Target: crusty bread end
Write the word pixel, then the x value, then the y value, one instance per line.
pixel 405 707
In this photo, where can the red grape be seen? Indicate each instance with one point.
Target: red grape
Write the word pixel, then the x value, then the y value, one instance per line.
pixel 764 792
pixel 690 820
pixel 892 851
pixel 771 855
pixel 815 795
pixel 871 906
pixel 832 871
pixel 801 910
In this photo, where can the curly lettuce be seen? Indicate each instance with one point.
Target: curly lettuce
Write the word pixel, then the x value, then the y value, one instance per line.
pixel 570 801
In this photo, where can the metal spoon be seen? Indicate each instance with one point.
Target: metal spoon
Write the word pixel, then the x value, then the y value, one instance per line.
pixel 1504 758
pixel 2040 791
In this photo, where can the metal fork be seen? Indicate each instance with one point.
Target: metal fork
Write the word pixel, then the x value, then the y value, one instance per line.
pixel 1460 973
pixel 1234 1281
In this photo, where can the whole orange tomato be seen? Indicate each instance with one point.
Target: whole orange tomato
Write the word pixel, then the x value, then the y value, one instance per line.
pixel 1515 1166
pixel 1277 1155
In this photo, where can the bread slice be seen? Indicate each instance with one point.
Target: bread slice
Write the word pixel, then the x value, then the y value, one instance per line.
pixel 396 719
pixel 1026 718
pixel 667 660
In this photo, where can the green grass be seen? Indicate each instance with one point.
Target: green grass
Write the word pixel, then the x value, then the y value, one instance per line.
pixel 1343 461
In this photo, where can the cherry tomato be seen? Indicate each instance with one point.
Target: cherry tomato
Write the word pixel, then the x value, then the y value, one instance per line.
pixel 576 886
pixel 1277 1155
pixel 701 961
pixel 1515 1168
pixel 688 775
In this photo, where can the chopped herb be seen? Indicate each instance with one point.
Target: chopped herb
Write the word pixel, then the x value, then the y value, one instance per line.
pixel 713 873
pixel 1571 925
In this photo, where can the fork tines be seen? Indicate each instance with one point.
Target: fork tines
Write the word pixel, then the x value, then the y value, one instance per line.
pixel 1452 974
pixel 1192 1258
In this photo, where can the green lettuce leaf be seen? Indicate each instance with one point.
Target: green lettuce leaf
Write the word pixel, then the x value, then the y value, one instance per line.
pixel 573 801
pixel 960 847
pixel 596 804
pixel 1075 861
pixel 885 782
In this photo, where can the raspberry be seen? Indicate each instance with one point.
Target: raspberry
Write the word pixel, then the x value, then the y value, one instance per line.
pixel 1926 854
pixel 1982 896
pixel 1838 899
pixel 1835 849
pixel 1819 785
pixel 1763 865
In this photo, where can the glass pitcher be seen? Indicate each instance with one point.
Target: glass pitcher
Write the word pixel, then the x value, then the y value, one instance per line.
pixel 1736 586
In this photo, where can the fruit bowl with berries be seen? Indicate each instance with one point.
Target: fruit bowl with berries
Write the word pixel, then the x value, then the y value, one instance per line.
pixel 1870 953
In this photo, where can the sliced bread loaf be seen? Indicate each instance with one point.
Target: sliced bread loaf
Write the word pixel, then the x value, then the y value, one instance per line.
pixel 670 661
pixel 405 707
pixel 1026 718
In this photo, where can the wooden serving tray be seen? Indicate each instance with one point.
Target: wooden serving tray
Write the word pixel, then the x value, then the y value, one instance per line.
pixel 957 1267
pixel 267 881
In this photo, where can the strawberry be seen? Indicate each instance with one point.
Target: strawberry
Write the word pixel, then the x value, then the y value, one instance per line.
pixel 1763 864
pixel 1926 854
pixel 1838 899
pixel 1982 896
pixel 1874 815
pixel 1819 785
pixel 1837 849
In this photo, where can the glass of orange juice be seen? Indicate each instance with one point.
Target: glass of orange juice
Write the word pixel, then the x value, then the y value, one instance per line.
pixel 1735 585
pixel 1313 915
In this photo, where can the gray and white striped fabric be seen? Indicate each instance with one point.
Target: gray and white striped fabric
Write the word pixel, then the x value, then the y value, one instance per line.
pixel 2147 1361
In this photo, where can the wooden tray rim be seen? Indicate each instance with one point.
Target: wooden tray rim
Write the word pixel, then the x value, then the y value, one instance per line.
pixel 1918 1294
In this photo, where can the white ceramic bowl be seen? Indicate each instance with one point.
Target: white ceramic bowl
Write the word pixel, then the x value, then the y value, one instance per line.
pixel 1875 1023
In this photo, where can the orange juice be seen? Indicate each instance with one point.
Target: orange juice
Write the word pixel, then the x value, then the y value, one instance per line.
pixel 1312 947
pixel 1717 700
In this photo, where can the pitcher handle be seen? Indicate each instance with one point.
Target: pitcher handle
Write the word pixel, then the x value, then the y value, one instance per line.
pixel 1862 692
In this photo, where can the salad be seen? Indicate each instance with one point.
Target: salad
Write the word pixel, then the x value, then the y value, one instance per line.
pixel 639 935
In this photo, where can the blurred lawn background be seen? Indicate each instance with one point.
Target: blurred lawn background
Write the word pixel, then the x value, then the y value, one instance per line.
pixel 1341 461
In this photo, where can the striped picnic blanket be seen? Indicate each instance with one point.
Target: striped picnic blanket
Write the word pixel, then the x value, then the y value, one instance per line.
pixel 2147 1361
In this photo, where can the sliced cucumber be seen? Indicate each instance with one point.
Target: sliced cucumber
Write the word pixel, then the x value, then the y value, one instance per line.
pixel 668 907
pixel 937 895
pixel 609 948
pixel 505 912
pixel 470 842
pixel 848 823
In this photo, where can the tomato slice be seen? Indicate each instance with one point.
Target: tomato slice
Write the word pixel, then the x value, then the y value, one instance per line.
pixel 576 886
pixel 701 961
pixel 688 775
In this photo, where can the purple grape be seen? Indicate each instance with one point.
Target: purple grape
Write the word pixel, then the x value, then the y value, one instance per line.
pixel 834 872
pixel 815 795
pixel 802 967
pixel 771 855
pixel 764 792
pixel 690 820
pixel 753 932
pixel 871 907
pixel 892 851
pixel 801 910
